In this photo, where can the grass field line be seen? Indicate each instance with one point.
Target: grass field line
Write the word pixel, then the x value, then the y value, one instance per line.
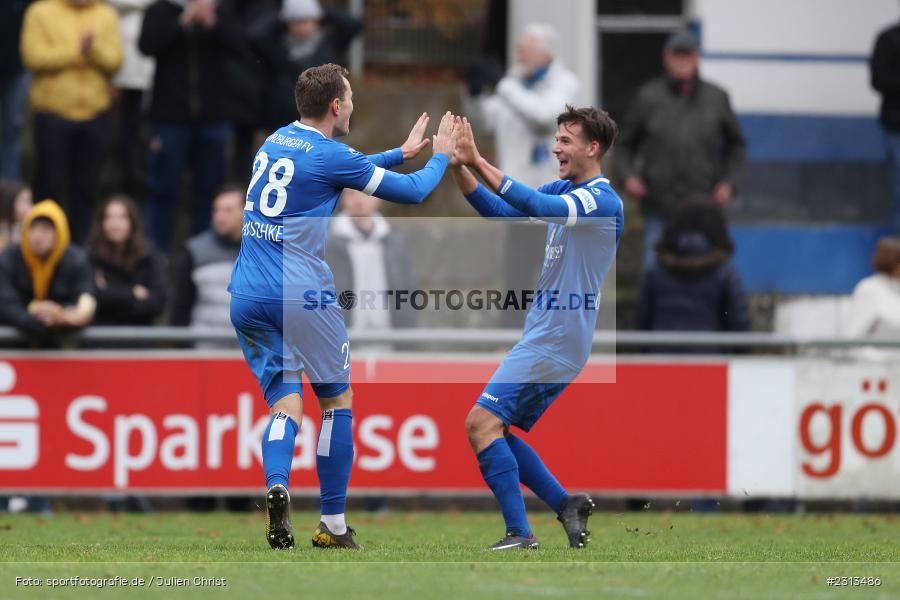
pixel 456 562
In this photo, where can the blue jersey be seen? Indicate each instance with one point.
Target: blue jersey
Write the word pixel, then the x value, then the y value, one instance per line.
pixel 298 176
pixel 585 224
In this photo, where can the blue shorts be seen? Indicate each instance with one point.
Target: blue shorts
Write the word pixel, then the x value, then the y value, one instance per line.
pixel 316 343
pixel 524 386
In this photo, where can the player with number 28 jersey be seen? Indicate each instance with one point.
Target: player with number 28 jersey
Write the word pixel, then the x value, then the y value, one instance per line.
pixel 283 303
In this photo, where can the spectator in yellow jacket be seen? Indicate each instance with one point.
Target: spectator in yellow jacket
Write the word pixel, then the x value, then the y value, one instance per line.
pixel 72 49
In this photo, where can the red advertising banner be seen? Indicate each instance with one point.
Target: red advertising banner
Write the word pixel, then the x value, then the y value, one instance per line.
pixel 93 423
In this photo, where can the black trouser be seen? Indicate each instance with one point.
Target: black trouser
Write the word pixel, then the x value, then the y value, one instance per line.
pixel 244 150
pixel 131 141
pixel 70 157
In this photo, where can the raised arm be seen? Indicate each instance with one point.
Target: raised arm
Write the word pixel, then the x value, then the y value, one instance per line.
pixel 351 169
pixel 486 203
pixel 564 209
pixel 387 159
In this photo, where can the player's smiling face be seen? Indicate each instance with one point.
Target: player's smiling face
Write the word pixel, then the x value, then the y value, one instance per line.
pixel 575 154
pixel 345 109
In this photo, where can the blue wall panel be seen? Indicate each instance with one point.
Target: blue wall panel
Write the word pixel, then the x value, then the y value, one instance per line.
pixel 807 259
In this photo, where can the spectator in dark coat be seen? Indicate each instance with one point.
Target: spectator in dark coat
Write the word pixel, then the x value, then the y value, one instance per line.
pixel 885 77
pixel 305 35
pixel 45 282
pixel 129 276
pixel 693 285
pixel 13 89
pixel 283 38
pixel 249 81
pixel 680 140
pixel 192 41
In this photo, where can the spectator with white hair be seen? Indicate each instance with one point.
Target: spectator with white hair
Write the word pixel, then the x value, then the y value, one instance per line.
pixel 523 108
pixel 522 115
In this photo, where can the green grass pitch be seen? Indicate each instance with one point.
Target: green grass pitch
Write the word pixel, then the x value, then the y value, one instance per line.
pixel 426 555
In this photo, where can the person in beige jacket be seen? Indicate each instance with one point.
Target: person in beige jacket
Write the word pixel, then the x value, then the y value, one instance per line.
pixel 72 49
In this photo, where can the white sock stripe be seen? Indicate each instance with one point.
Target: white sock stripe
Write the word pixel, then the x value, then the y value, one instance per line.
pixel 374 182
pixel 323 448
pixel 276 431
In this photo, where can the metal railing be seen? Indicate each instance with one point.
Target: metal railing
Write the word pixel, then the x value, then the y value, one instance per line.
pixel 466 338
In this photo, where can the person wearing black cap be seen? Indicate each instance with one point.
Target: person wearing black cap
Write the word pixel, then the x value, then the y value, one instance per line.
pixel 680 140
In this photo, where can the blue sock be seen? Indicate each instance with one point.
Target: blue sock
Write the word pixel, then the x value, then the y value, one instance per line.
pixel 536 476
pixel 501 473
pixel 334 459
pixel 278 449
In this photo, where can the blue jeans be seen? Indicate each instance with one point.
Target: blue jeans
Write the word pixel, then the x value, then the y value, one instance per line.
pixel 893 147
pixel 13 105
pixel 174 147
pixel 653 227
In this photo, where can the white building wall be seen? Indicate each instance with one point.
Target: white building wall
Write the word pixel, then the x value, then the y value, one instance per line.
pixel 794 26
pixel 795 56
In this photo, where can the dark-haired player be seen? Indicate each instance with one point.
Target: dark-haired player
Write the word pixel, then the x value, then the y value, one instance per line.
pixel 585 219
pixel 283 303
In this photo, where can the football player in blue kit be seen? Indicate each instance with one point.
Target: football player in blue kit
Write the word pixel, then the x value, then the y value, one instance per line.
pixel 585 220
pixel 283 304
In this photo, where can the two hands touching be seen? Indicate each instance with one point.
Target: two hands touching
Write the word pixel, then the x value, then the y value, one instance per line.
pixel 443 142
pixel 465 151
pixel 455 139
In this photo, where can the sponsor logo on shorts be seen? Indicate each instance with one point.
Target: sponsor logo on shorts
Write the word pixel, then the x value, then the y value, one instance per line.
pixel 489 397
pixel 506 186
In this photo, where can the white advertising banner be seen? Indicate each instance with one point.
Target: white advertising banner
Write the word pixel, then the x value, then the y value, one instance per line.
pixel 846 430
pixel 761 431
